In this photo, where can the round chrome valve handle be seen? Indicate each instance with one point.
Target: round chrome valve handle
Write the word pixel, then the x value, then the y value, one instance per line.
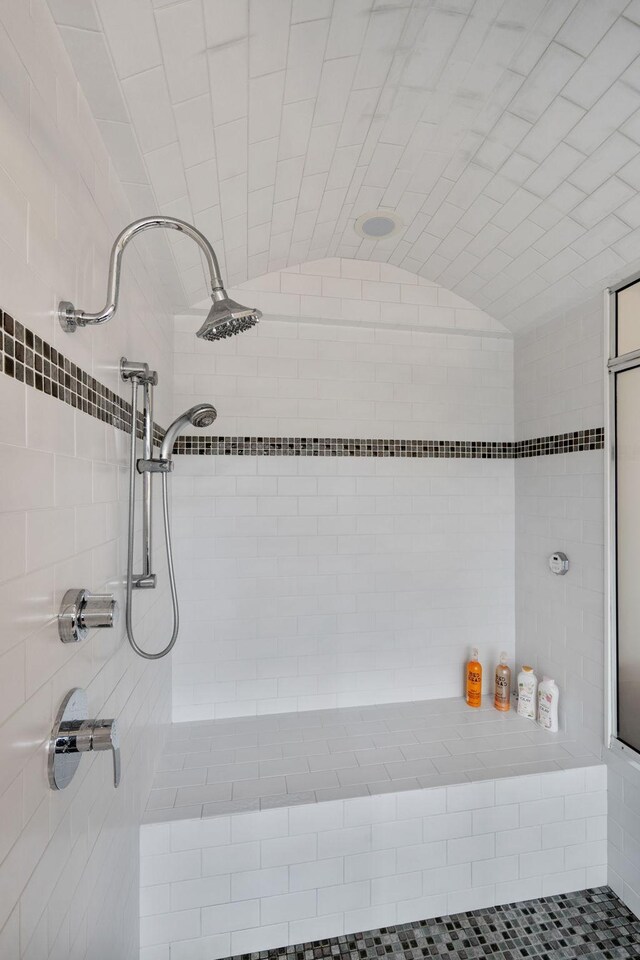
pixel 81 611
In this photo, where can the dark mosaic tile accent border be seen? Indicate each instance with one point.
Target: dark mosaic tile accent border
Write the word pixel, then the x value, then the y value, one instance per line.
pixel 29 359
pixel 590 923
pixel 337 447
pixel 560 443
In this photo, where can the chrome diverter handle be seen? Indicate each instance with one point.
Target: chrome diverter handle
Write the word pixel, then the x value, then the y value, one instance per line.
pixel 73 734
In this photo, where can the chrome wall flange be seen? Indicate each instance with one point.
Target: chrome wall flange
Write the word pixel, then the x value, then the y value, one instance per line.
pixel 67 315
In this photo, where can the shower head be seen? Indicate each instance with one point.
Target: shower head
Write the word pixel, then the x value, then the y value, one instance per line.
pixel 227 318
pixel 200 416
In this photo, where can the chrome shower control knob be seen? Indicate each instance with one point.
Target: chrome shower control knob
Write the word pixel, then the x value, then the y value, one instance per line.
pixel 81 611
pixel 73 735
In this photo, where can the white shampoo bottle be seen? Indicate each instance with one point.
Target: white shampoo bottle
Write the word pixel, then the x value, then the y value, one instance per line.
pixel 527 693
pixel 548 695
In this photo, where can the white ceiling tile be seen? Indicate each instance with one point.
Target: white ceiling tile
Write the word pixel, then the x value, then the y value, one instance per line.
pixel 229 81
pixel 604 162
pixel 195 130
pixel 562 264
pixel 597 205
pixel 166 173
pixel 604 118
pixel 489 126
pixel 335 83
pixel 131 34
pixel 295 129
pixel 225 21
pixel 617 49
pixel 554 124
pixel 70 13
pixel 322 143
pixel 343 167
pixel 630 211
pixel 268 36
pixel 231 148
pixel 202 184
pixel 596 270
pixel 260 206
pixel 263 158
pixel 385 159
pixel 147 97
pixel 288 179
pixel 557 167
pixel 120 141
pixel 348 28
pixel 588 23
pixel 630 172
pixel 265 106
pixel 182 38
pixel 311 190
pixel 513 212
pixel 210 222
pixel 233 196
pixel 432 47
pixel 235 235
pixel 358 116
pixel 307 43
pixel 92 63
pixel 310 10
pixel 556 66
pixel 604 234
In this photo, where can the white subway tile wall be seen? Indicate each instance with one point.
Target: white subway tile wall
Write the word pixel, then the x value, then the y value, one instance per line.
pixel 353 373
pixel 258 880
pixel 320 582
pixel 323 582
pixel 560 506
pixel 69 871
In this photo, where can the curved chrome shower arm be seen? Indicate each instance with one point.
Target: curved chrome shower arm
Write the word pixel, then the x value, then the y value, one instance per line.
pixel 71 318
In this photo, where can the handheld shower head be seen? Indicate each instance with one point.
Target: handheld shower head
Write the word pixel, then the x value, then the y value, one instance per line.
pixel 227 318
pixel 200 416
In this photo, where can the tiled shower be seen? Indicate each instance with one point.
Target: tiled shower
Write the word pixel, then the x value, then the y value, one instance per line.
pixel 416 424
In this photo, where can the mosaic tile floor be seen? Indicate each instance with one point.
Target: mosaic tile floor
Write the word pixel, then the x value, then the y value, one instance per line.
pixel 588 924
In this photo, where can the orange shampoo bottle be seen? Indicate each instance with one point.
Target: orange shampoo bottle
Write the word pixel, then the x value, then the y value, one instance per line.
pixel 474 680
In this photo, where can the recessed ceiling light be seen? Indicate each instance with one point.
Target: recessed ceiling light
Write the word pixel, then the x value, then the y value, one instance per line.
pixel 378 224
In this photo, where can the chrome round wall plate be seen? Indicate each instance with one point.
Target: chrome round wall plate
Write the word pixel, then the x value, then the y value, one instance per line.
pixel 62 764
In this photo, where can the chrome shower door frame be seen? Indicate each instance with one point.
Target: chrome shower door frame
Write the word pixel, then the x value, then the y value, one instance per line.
pixel 613 365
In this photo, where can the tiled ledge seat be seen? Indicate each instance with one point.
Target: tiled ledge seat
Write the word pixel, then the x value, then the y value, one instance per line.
pixel 219 767
pixel 281 829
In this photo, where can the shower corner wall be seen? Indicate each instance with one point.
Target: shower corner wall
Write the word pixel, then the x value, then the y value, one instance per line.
pixel 559 505
pixel 63 520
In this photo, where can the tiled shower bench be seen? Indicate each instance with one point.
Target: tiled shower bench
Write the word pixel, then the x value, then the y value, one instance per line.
pixel 266 831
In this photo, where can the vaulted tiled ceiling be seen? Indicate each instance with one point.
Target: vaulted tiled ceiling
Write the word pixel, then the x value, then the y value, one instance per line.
pixel 505 133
